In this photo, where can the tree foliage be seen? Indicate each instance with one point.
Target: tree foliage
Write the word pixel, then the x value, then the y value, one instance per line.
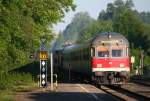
pixel 144 16
pixel 115 8
pixel 126 22
pixel 22 22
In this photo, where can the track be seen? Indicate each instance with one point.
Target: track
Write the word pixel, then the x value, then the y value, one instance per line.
pixel 124 94
pixel 144 82
pixel 130 92
pixel 121 93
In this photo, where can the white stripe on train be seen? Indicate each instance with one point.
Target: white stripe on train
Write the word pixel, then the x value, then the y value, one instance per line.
pixel 111 69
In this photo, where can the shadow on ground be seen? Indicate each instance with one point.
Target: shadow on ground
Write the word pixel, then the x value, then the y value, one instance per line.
pixel 65 96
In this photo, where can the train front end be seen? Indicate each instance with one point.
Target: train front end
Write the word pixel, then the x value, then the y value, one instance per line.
pixel 110 59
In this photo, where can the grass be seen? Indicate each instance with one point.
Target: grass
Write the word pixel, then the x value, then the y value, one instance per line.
pixel 24 88
pixel 14 82
pixel 6 95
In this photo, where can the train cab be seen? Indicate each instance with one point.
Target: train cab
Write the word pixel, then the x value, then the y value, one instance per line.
pixel 110 58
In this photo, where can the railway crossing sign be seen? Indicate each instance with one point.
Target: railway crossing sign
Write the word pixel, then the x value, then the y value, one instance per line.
pixel 43 73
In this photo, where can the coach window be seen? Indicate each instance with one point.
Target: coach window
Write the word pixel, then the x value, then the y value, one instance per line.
pixel 102 52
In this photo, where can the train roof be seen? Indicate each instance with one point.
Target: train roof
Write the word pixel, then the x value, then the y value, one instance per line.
pixel 72 47
pixel 97 39
pixel 109 36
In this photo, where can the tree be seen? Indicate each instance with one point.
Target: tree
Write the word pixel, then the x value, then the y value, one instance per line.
pixel 131 26
pixel 115 8
pixel 22 23
pixel 110 10
pixel 102 15
pixel 108 14
pixel 129 4
pixel 144 16
pixel 146 31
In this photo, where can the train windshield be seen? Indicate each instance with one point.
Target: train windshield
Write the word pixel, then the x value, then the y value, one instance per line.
pixel 116 53
pixel 102 52
pixel 107 51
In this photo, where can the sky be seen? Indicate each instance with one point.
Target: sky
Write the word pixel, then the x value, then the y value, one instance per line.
pixel 94 7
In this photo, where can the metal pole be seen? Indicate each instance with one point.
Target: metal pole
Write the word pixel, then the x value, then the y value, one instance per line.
pixel 46 73
pixel 69 74
pixel 132 68
pixel 51 71
pixel 40 75
pixel 142 63
pixel 55 81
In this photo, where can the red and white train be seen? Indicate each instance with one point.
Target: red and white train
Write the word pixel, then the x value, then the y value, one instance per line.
pixel 104 59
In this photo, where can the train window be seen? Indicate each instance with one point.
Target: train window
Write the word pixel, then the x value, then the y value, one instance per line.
pixel 92 52
pixel 116 53
pixel 103 53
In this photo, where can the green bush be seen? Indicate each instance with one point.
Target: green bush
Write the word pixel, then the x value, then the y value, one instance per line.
pixel 10 80
pixel 6 95
pixel 6 98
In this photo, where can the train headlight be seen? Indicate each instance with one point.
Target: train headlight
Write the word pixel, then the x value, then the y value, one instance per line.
pixel 122 65
pixel 99 65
